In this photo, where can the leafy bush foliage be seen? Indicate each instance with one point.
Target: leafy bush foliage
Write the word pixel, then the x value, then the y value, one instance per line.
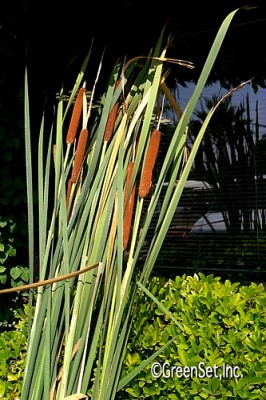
pixel 13 348
pixel 10 275
pixel 223 325
pixel 7 250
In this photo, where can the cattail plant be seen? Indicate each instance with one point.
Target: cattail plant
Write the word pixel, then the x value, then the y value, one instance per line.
pixel 81 325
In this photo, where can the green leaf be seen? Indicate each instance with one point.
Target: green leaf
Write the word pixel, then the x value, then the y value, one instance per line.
pixel 3 279
pixel 3 385
pixel 15 272
pixel 214 384
pixel 12 377
pixel 188 329
pixel 182 356
pixel 25 274
pixel 133 392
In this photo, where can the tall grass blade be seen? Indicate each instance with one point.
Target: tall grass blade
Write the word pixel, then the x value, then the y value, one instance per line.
pixel 29 185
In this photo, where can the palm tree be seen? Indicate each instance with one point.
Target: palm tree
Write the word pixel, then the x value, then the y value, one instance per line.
pixel 226 161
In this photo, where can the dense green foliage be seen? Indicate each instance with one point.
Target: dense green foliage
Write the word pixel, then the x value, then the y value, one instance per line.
pixel 7 251
pixel 11 274
pixel 13 348
pixel 222 324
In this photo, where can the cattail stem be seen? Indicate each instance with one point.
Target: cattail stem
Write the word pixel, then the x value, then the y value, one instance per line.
pixel 69 187
pixel 150 159
pixel 129 205
pixel 75 117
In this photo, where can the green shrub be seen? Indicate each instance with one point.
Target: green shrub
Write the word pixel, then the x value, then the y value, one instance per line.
pixel 223 327
pixel 7 249
pixel 10 275
pixel 13 348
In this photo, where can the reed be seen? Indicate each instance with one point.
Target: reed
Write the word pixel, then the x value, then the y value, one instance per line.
pixel 81 324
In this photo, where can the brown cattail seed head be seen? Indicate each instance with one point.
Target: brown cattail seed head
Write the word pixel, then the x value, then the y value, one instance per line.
pixel 75 117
